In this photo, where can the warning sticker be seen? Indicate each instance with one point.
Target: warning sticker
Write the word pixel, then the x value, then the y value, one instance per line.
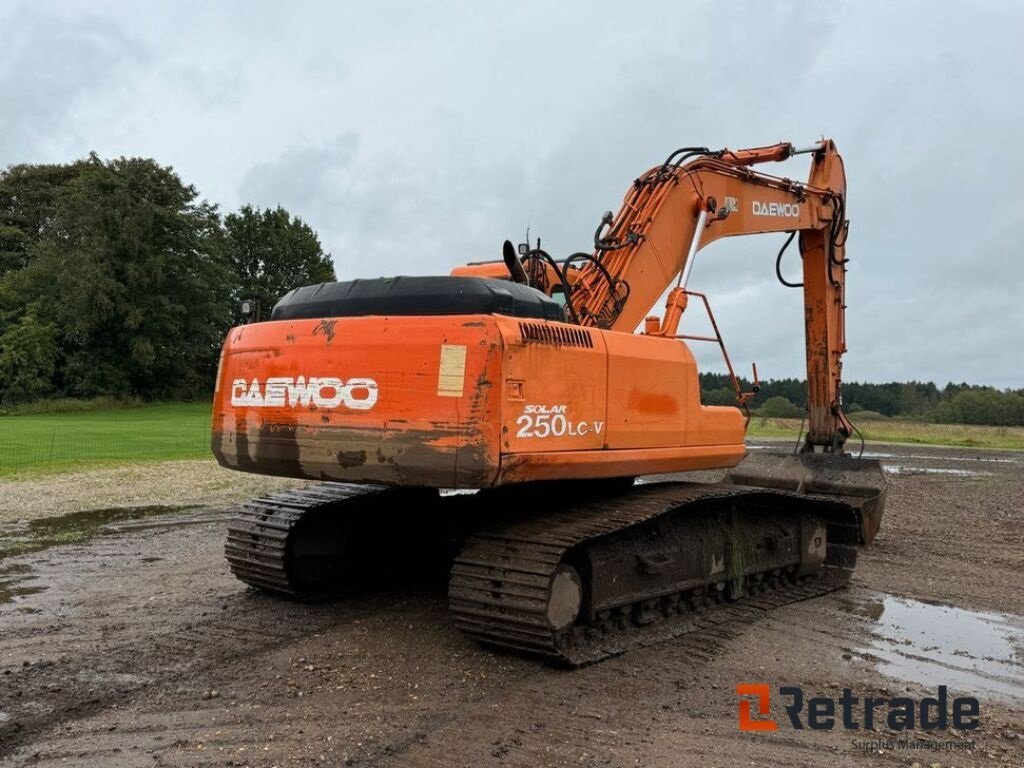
pixel 451 376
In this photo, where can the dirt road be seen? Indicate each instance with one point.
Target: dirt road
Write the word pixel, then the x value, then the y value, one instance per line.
pixel 124 641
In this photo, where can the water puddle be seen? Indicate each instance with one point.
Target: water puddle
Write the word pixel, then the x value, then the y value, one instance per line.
pixel 921 457
pixel 899 469
pixel 11 583
pixel 21 538
pixel 970 651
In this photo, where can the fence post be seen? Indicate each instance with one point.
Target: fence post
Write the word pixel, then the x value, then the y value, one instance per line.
pixel 53 439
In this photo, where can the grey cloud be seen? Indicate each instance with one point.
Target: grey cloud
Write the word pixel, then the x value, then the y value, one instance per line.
pixel 214 90
pixel 48 64
pixel 387 213
pixel 304 177
pixel 417 137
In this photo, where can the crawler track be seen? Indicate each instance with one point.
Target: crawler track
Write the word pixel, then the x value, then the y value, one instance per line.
pixel 640 564
pixel 308 542
pixel 502 581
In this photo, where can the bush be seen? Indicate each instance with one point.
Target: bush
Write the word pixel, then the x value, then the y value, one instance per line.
pixel 718 396
pixel 70 405
pixel 779 407
pixel 982 406
pixel 28 358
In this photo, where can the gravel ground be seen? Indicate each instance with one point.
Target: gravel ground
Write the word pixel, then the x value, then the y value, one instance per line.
pixel 167 483
pixel 136 647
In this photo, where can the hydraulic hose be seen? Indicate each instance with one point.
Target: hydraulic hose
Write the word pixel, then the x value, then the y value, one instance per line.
pixel 778 263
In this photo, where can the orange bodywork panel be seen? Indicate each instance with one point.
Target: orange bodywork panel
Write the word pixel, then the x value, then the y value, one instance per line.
pixel 469 401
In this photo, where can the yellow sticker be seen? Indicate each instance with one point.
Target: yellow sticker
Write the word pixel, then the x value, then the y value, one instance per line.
pixel 452 374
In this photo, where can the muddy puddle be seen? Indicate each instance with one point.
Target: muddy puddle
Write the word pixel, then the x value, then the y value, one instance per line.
pixel 896 464
pixel 12 583
pixel 25 537
pixel 901 469
pixel 942 457
pixel 932 645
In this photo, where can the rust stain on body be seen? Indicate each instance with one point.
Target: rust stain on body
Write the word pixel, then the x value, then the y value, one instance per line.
pixel 654 403
pixel 326 327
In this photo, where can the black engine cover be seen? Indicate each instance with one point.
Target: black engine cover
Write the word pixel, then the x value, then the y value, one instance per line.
pixel 443 295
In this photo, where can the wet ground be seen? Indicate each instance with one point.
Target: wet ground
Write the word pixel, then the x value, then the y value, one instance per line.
pixel 937 644
pixel 124 641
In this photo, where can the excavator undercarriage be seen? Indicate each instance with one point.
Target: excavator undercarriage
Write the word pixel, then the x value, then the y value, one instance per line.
pixel 567 571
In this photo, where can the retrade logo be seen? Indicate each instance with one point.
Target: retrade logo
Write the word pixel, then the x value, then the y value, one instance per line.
pixel 900 713
pixel 763 695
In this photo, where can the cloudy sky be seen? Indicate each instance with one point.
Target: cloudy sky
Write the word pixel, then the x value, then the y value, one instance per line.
pixel 415 136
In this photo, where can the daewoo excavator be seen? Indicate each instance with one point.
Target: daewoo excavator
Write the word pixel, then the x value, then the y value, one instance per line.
pixel 525 383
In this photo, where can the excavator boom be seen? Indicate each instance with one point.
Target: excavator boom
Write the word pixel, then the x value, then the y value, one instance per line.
pixel 678 208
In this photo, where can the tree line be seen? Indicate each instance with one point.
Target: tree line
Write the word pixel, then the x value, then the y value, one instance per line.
pixel 913 400
pixel 117 280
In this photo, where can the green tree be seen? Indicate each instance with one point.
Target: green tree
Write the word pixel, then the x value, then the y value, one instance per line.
pixel 778 407
pixel 718 396
pixel 272 252
pixel 29 197
pixel 28 358
pixel 982 406
pixel 128 269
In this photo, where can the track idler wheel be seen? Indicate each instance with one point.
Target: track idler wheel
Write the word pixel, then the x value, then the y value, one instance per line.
pixel 565 598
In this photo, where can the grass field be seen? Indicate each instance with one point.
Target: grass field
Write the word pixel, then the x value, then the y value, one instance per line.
pixel 893 431
pixel 55 442
pixel 60 441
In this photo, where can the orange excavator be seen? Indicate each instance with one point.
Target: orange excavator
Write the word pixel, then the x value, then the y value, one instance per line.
pixel 547 395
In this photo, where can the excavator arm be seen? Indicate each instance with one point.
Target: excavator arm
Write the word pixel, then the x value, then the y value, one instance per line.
pixel 696 197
